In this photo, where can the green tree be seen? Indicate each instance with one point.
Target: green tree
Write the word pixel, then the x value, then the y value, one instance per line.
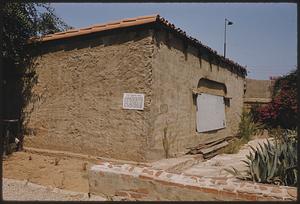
pixel 21 21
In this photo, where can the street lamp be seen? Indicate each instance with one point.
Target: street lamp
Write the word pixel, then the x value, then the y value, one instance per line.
pixel 227 22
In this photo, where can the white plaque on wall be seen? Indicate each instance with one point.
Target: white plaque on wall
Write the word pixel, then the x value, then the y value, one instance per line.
pixel 133 101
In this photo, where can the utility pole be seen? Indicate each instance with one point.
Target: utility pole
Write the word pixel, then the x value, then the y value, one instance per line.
pixel 227 22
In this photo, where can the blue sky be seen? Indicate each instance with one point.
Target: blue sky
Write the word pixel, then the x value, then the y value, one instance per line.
pixel 263 36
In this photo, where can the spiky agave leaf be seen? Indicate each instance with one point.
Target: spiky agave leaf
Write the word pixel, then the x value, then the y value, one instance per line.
pixel 230 171
pixel 272 163
pixel 247 162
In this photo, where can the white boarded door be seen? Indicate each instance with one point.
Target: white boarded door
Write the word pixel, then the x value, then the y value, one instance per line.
pixel 210 112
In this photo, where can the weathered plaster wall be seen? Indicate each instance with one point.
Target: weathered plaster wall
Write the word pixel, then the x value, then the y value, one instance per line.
pixel 173 110
pixel 77 103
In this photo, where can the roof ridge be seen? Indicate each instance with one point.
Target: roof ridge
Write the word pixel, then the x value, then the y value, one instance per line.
pixel 91 27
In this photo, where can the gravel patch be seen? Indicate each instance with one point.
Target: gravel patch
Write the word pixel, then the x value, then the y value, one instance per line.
pixel 25 191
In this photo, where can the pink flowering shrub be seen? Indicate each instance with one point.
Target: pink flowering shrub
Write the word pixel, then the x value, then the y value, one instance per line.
pixel 282 110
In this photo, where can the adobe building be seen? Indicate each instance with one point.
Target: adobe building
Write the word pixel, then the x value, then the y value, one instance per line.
pixel 137 89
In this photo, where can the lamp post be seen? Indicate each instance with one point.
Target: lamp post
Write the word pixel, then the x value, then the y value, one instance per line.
pixel 227 22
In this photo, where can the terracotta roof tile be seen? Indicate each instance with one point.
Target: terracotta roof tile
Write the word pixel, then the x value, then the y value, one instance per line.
pixel 128 20
pixel 98 27
pixel 134 22
pixel 71 31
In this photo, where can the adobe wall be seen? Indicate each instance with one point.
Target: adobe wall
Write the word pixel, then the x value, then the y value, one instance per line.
pixel 173 110
pixel 258 88
pixel 77 101
pixel 258 92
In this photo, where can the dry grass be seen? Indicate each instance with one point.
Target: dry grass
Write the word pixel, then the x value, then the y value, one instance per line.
pixel 233 147
pixel 247 130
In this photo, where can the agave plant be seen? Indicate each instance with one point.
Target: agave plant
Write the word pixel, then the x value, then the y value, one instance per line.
pixel 272 163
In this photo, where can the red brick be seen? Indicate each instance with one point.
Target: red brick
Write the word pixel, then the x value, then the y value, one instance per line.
pixel 101 173
pixel 263 188
pixel 100 162
pixel 136 195
pixel 246 196
pixel 265 185
pixel 122 193
pixel 228 188
pixel 194 178
pixel 210 190
pixel 143 190
pixel 292 192
pixel 146 171
pixel 194 187
pixel 228 194
pixel 169 183
pixel 125 177
pixel 140 190
pixel 247 190
pixel 219 178
pixel 276 190
pixel 145 177
pixel 278 197
pixel 266 198
pixel 202 180
pixel 169 175
pixel 158 173
pixel 242 184
pixel 221 182
pixel 289 199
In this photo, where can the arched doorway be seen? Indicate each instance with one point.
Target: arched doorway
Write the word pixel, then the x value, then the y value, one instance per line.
pixel 210 102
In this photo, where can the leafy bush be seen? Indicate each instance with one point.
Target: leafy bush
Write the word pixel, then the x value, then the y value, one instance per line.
pixel 272 163
pixel 282 110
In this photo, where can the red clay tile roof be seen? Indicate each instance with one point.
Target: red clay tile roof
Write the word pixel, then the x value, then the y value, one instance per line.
pixel 100 27
pixel 134 22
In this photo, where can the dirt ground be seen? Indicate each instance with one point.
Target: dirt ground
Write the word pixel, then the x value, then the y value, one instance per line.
pixel 16 190
pixel 60 172
pixel 70 173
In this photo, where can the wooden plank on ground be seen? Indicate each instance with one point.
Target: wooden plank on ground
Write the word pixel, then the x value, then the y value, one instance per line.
pixel 214 148
pixel 210 155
